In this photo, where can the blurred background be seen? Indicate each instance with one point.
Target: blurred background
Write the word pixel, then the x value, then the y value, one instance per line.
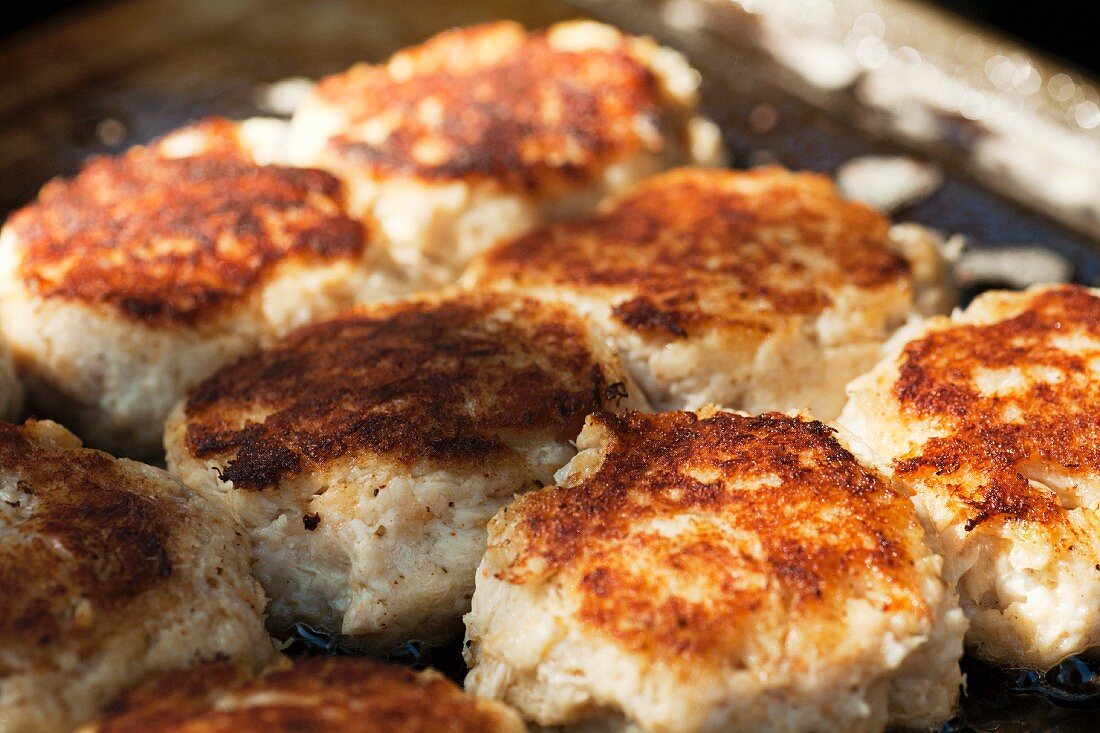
pixel 995 105
pixel 1062 28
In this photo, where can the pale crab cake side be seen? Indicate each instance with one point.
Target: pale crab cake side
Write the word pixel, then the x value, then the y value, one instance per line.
pixel 111 570
pixel 365 454
pixel 989 419
pixel 757 290
pixel 123 286
pixel 480 133
pixel 714 572
pixel 318 695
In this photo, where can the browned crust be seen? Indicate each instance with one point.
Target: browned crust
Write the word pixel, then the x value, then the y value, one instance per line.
pixel 169 241
pixel 169 701
pixel 695 248
pixel 321 694
pixel 78 534
pixel 512 110
pixel 445 380
pixel 1059 423
pixel 829 530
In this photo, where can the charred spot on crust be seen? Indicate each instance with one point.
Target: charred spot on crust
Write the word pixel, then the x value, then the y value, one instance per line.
pixel 259 461
pixel 1057 419
pixel 493 102
pixel 642 314
pixel 171 240
pixel 333 694
pixel 83 537
pixel 446 380
pixel 695 248
pixel 768 513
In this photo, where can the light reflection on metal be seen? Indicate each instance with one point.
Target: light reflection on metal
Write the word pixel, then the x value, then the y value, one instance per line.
pixel 916 72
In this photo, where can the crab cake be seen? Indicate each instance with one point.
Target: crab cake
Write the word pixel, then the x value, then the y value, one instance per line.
pixel 366 454
pixel 482 132
pixel 110 570
pixel 714 572
pixel 726 286
pixel 125 285
pixel 322 695
pixel 991 419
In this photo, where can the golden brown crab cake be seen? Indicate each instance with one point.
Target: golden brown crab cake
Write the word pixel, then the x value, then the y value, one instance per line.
pixel 482 132
pixel 111 570
pixel 366 454
pixel 322 695
pixel 728 287
pixel 991 419
pixel 125 285
pixel 714 572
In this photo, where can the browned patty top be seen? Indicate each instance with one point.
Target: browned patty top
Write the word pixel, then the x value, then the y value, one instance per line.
pixel 441 379
pixel 333 695
pixel 1056 404
pixel 494 102
pixel 80 536
pixel 699 535
pixel 169 241
pixel 694 248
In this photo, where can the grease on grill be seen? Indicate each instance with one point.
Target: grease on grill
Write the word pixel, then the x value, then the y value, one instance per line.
pixel 1013 267
pixel 305 640
pixel 1066 698
pixel 888 183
